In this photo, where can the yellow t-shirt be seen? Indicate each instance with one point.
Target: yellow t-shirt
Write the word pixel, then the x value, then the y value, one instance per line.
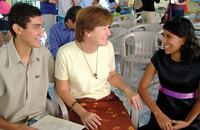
pixel 71 65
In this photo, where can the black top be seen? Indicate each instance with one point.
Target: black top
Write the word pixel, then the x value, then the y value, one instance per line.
pixel 148 5
pixel 176 76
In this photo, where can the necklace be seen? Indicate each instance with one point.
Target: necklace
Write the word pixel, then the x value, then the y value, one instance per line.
pixel 94 74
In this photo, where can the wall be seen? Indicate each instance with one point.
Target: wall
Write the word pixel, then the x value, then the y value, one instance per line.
pixel 8 1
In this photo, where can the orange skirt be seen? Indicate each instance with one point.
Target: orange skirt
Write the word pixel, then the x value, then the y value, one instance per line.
pixel 110 109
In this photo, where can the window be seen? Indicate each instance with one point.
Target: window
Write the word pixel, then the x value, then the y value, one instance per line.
pixel 32 2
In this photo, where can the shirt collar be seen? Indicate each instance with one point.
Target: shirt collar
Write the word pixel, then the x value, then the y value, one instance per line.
pixel 63 26
pixel 13 56
pixel 35 55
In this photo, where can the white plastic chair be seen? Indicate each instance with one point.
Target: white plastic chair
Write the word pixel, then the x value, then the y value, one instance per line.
pixel 134 113
pixel 160 11
pixel 123 24
pixel 51 108
pixel 117 33
pixel 115 19
pixel 116 38
pixel 197 29
pixel 127 16
pixel 144 43
pixel 154 27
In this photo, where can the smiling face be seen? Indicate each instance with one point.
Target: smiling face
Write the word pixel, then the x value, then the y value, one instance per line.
pixel 172 43
pixel 99 35
pixel 32 34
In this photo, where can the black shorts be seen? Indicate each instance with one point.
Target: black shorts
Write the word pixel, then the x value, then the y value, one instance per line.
pixel 4 25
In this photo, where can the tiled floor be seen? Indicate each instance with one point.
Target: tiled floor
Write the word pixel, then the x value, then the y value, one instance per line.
pixel 138 71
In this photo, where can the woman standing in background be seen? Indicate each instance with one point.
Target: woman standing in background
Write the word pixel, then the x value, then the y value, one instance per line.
pixel 176 8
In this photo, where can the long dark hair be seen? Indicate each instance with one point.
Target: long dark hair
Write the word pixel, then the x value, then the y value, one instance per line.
pixel 182 27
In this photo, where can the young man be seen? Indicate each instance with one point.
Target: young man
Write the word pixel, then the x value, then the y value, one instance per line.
pixel 63 32
pixel 26 70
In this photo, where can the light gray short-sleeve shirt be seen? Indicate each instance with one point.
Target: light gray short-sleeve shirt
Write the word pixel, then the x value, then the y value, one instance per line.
pixel 23 89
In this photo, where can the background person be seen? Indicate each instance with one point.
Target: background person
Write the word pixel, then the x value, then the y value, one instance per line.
pixel 148 11
pixel 26 70
pixel 85 3
pixel 85 71
pixel 137 6
pixel 63 32
pixel 110 5
pixel 95 2
pixel 124 3
pixel 176 9
pixel 178 69
pixel 63 6
pixel 117 12
pixel 48 9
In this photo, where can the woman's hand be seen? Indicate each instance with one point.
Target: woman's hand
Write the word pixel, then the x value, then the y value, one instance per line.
pixel 133 98
pixel 177 3
pixel 90 120
pixel 179 124
pixel 163 121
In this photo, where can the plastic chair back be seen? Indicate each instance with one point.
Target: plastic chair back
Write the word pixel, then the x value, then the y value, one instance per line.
pixel 127 16
pixel 123 24
pixel 154 27
pixel 144 42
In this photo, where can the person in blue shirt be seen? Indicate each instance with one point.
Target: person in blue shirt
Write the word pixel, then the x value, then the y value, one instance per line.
pixel 110 5
pixel 125 9
pixel 63 32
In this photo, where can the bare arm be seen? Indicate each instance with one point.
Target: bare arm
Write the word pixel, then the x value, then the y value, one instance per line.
pixel 132 96
pixel 53 1
pixel 127 1
pixel 87 118
pixel 75 2
pixel 195 111
pixel 118 4
pixel 185 2
pixel 14 126
pixel 162 119
pixel 43 0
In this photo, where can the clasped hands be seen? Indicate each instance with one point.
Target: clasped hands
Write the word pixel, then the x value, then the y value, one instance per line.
pixel 166 123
